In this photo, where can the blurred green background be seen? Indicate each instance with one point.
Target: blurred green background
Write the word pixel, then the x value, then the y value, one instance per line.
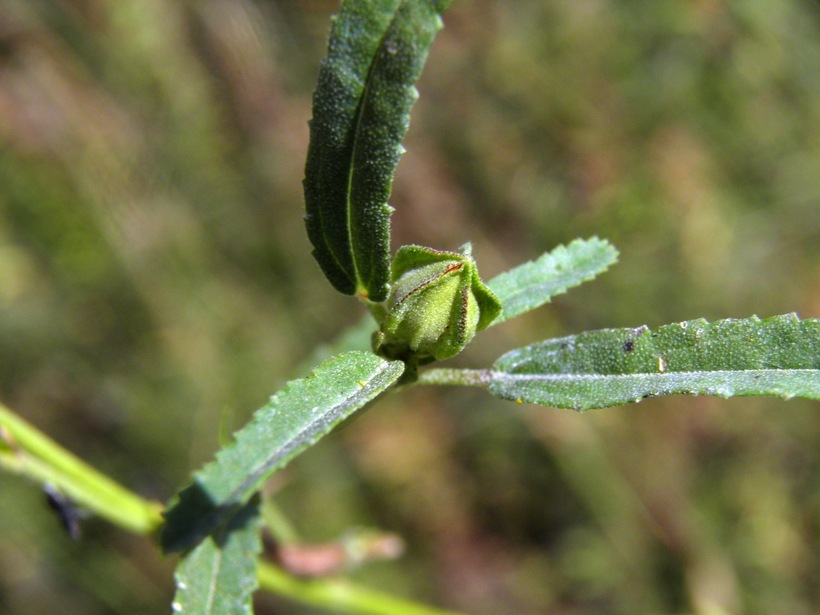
pixel 156 287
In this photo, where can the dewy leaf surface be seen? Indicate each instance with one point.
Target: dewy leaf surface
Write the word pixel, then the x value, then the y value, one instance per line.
pixel 777 356
pixel 533 284
pixel 361 111
pixel 296 417
pixel 219 576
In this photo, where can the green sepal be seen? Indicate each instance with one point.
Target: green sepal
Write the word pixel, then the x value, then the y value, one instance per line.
pixel 436 305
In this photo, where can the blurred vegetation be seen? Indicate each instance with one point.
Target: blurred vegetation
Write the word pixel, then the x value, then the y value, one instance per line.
pixel 156 287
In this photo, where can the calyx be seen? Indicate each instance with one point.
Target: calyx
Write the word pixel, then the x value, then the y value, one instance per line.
pixel 437 303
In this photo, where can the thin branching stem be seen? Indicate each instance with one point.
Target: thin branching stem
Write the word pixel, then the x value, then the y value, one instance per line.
pixel 338 594
pixel 27 451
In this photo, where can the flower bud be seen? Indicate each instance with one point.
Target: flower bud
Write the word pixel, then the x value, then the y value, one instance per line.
pixel 437 303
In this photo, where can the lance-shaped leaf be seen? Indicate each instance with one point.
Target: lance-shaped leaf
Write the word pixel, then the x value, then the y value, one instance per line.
pixel 361 111
pixel 296 417
pixel 533 284
pixel 219 576
pixel 777 356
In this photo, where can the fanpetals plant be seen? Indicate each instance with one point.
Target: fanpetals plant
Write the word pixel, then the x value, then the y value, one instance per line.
pixel 428 304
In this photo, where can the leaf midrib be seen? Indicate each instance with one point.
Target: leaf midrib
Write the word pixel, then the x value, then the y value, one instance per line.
pixel 357 140
pixel 214 580
pixel 498 375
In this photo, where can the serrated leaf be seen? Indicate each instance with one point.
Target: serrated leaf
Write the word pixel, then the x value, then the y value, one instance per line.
pixel 219 576
pixel 361 111
pixel 296 417
pixel 533 284
pixel 777 356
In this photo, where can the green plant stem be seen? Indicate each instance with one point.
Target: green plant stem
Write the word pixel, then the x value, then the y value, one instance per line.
pixel 455 377
pixel 338 594
pixel 377 310
pixel 277 523
pixel 27 451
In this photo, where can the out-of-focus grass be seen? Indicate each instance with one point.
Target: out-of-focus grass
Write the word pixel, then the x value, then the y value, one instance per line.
pixel 155 279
